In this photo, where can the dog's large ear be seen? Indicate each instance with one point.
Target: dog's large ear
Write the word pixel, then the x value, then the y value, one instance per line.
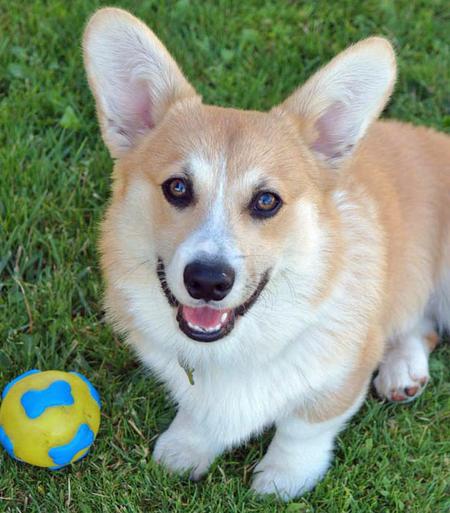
pixel 132 75
pixel 337 104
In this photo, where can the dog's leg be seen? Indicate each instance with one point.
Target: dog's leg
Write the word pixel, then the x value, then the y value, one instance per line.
pixel 299 455
pixel 403 373
pixel 185 446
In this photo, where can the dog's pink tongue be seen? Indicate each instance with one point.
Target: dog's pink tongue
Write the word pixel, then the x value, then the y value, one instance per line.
pixel 205 317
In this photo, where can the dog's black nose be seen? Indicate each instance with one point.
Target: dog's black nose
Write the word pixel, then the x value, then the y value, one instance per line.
pixel 210 281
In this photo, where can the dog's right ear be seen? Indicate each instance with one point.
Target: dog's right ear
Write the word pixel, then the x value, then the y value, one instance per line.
pixel 132 76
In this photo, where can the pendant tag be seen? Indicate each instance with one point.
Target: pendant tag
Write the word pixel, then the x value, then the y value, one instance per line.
pixel 189 372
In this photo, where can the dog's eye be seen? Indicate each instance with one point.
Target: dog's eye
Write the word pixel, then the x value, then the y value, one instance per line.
pixel 178 192
pixel 265 204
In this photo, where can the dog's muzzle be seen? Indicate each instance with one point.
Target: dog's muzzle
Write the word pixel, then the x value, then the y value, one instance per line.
pixel 206 323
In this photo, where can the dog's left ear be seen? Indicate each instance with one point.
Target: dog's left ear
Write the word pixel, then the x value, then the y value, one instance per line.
pixel 337 104
pixel 133 77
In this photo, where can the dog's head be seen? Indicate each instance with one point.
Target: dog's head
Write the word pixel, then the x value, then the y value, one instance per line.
pixel 213 204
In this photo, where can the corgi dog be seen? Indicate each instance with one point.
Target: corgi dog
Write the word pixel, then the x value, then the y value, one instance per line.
pixel 265 264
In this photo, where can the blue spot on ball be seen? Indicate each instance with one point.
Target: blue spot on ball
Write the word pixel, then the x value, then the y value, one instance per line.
pixel 95 395
pixel 6 443
pixel 64 454
pixel 35 402
pixel 16 380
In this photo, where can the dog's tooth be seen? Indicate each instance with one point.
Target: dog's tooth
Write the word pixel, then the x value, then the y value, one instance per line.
pixel 203 329
pixel 224 317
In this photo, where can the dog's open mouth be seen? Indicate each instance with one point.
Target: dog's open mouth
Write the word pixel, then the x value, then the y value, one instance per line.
pixel 205 323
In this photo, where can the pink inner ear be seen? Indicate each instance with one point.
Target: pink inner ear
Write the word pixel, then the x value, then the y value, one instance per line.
pixel 134 110
pixel 142 106
pixel 335 132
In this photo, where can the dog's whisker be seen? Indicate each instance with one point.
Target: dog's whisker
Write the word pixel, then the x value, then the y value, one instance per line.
pixel 131 270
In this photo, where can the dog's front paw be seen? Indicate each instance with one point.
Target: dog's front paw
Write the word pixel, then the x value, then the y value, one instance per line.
pixel 285 480
pixel 181 452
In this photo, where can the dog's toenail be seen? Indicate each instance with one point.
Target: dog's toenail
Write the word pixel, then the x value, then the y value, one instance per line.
pixel 398 397
pixel 410 391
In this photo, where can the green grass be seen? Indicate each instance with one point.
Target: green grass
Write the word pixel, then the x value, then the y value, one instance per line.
pixel 54 183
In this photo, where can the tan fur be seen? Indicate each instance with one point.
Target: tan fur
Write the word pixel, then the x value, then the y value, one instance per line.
pixel 406 170
pixel 432 340
pixel 414 209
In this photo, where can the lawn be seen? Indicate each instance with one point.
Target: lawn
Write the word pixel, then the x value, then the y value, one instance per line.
pixel 54 176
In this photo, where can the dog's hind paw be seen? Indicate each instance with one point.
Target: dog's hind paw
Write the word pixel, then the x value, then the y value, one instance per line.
pixel 402 375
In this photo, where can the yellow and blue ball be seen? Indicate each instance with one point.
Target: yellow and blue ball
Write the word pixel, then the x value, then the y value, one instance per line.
pixel 49 419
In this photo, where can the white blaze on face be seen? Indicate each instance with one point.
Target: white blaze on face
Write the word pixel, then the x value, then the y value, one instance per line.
pixel 212 239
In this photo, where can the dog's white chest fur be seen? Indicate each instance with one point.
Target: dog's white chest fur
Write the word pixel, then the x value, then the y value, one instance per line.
pixel 234 402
